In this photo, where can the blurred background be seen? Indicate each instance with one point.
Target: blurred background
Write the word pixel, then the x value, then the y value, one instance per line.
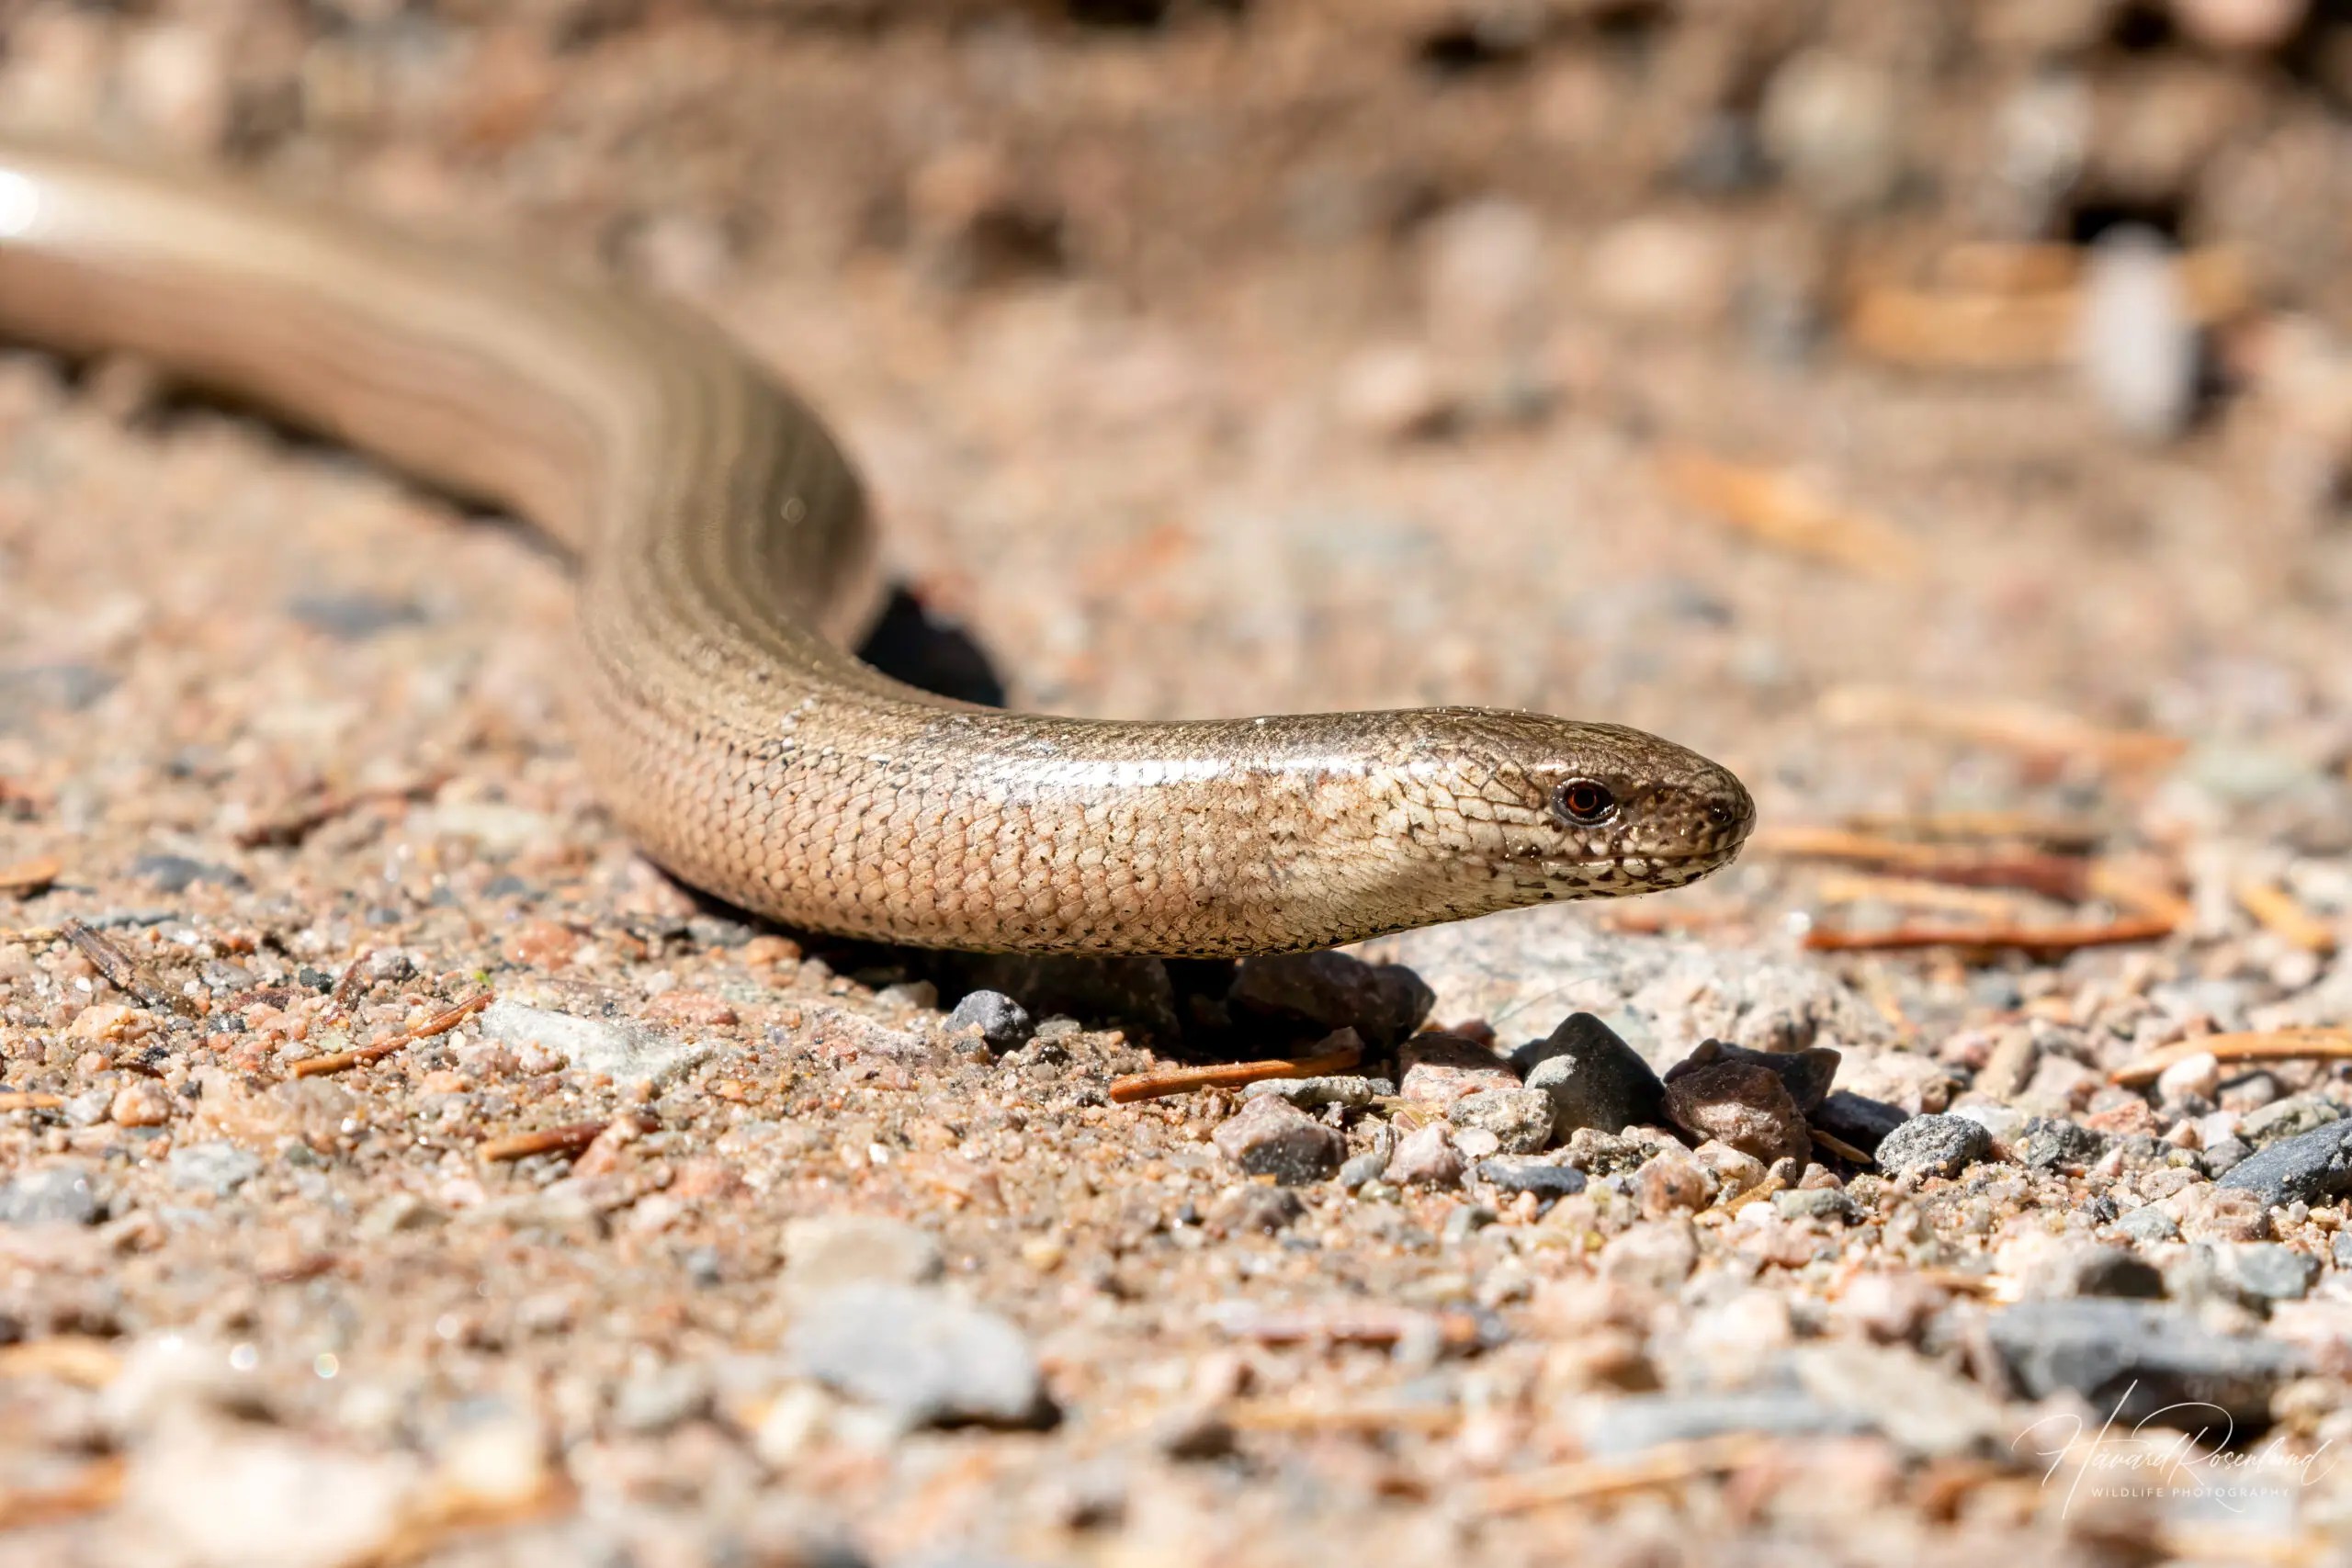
pixel 1928 409
pixel 1940 413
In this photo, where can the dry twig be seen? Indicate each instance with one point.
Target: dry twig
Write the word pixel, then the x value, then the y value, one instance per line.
pixel 1231 1074
pixel 1664 1465
pixel 567 1139
pixel 1780 509
pixel 2018 726
pixel 95 1489
pixel 2029 939
pixel 29 1100
pixel 291 826
pixel 440 1024
pixel 123 971
pixel 2284 918
pixel 2264 1045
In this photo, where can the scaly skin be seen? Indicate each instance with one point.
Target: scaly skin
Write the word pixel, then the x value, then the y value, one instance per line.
pixel 727 554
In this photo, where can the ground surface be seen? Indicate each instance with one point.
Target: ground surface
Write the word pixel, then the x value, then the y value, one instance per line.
pixel 1712 369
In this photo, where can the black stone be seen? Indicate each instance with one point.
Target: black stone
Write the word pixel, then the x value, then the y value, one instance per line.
pixel 1593 1078
pixel 2314 1169
pixel 2054 1140
pixel 176 874
pixel 1003 1024
pixel 1545 1179
pixel 1856 1119
pixel 1806 1074
pixel 1382 1002
pixel 2136 1363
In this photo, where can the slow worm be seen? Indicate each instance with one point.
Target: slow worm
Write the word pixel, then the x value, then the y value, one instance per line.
pixel 726 557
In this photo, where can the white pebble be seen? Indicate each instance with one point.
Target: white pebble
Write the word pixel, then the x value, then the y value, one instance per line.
pixel 2136 343
pixel 2199 1076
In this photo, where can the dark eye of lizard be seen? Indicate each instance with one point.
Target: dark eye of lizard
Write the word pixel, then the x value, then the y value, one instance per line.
pixel 1584 803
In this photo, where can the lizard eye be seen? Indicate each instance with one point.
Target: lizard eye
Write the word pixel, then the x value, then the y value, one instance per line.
pixel 1584 803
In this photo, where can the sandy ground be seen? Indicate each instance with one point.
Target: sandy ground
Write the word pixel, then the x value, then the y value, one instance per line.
pixel 1733 373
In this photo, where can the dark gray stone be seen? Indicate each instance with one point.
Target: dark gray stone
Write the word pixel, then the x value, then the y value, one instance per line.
pixel 1382 1002
pixel 2149 1225
pixel 177 874
pixel 2289 1117
pixel 2054 1140
pixel 31 688
pixel 2142 1362
pixel 2218 1160
pixel 923 1358
pixel 1805 1074
pixel 1857 1119
pixel 1348 1092
pixel 2270 1272
pixel 1646 1421
pixel 1592 1078
pixel 354 616
pixel 1538 1176
pixel 57 1194
pixel 1367 1166
pixel 2312 1168
pixel 1003 1023
pixel 2116 1272
pixel 1268 1136
pixel 1934 1145
pixel 1135 992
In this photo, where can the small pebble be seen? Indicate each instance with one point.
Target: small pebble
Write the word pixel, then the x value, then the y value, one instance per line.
pixel 58 1194
pixel 1519 1119
pixel 2137 344
pixel 217 1168
pixel 1313 1094
pixel 1745 1106
pixel 2191 1078
pixel 141 1104
pixel 1426 1158
pixel 1934 1145
pixel 1672 1183
pixel 822 1251
pixel 920 1357
pixel 1001 1024
pixel 1268 1136
pixel 1541 1177
pixel 1439 1069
